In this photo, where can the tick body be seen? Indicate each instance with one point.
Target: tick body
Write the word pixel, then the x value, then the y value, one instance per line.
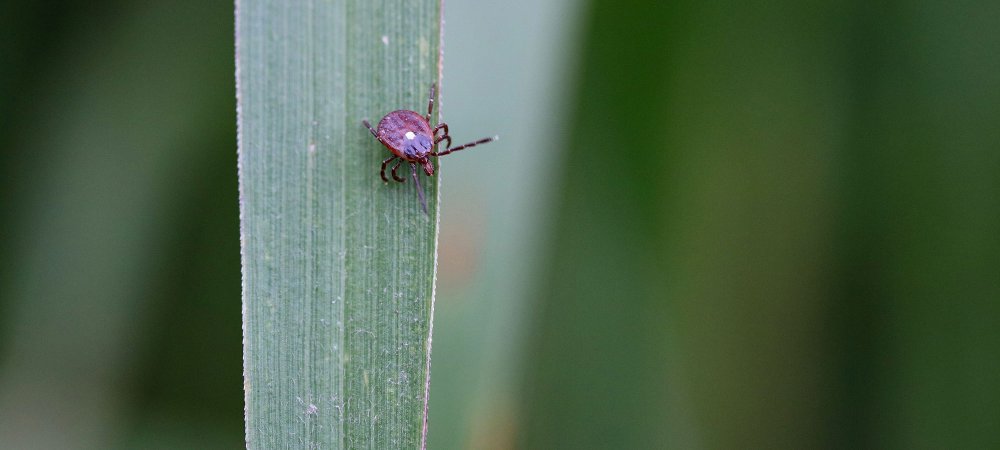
pixel 410 138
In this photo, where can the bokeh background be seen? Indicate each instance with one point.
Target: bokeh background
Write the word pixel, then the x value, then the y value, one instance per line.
pixel 707 225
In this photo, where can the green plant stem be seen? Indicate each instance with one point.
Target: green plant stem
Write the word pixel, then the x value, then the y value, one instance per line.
pixel 338 266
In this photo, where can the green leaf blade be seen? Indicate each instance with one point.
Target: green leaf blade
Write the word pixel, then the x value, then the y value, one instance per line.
pixel 338 265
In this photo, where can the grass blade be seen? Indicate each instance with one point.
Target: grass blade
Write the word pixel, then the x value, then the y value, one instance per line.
pixel 338 267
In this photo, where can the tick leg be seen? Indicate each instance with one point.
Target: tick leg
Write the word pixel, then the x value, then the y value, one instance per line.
pixel 369 126
pixel 420 190
pixel 440 126
pixel 384 163
pixel 444 136
pixel 397 177
pixel 465 146
pixel 430 102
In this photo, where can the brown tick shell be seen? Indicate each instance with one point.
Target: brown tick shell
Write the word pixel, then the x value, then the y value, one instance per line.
pixel 393 127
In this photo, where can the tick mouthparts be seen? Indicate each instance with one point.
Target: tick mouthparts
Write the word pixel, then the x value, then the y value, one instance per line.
pixel 428 167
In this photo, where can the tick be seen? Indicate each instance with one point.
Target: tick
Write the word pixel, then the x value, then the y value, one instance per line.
pixel 410 138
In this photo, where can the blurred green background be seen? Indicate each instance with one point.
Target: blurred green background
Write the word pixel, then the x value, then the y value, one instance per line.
pixel 707 225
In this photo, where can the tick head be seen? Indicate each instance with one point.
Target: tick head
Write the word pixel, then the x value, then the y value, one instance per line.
pixel 428 166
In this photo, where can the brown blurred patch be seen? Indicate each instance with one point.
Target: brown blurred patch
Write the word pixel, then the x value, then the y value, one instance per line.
pixel 461 246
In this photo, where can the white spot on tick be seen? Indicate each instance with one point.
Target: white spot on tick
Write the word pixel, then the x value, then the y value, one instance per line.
pixel 385 40
pixel 409 135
